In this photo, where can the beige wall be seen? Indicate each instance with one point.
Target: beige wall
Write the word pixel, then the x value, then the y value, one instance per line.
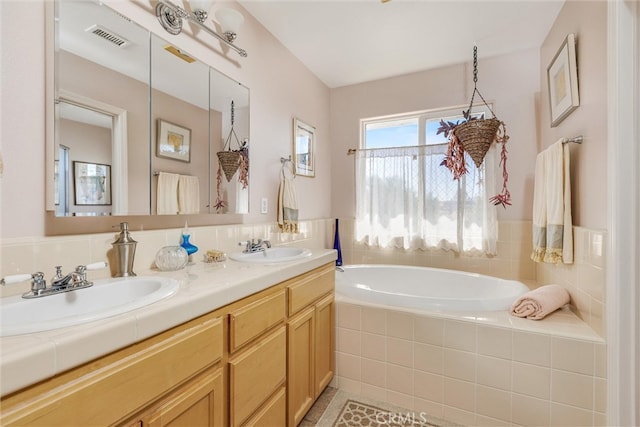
pixel 280 88
pixel 511 82
pixel 588 21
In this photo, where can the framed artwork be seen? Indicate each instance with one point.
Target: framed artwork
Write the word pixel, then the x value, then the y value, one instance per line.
pixel 173 141
pixel 92 183
pixel 303 148
pixel 562 77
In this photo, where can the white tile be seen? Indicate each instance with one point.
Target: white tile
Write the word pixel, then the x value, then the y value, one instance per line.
pixel 429 330
pixel 348 341
pixel 532 348
pixel 460 335
pixel 348 316
pixel 494 372
pixel 572 389
pixel 428 358
pixel 572 355
pixel 460 364
pixel 494 403
pixel 460 394
pixel 531 380
pixel 400 352
pixel 529 411
pixel 399 325
pixel 374 320
pixel 374 346
pixel 400 379
pixel 374 372
pixel 563 415
pixel 495 342
pixel 428 386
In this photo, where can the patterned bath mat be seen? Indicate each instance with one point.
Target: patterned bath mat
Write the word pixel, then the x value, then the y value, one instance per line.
pixel 354 411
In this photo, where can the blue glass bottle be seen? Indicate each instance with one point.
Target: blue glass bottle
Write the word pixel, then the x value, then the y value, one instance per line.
pixel 186 244
pixel 336 244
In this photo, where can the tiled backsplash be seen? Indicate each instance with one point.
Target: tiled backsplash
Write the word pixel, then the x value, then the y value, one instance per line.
pixel 584 279
pixel 28 255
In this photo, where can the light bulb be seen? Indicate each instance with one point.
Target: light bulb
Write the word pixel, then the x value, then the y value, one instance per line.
pixel 201 8
pixel 230 20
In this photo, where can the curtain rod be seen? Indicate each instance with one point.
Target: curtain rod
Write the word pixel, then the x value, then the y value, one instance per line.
pixel 575 139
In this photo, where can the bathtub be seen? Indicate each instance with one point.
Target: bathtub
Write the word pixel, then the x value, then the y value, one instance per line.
pixel 428 289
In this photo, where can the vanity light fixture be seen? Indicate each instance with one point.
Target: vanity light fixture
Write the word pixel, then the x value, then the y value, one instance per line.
pixel 171 16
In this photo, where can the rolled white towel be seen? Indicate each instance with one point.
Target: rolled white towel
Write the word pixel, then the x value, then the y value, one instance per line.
pixel 540 302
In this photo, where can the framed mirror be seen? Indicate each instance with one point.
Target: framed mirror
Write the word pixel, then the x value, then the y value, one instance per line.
pixel 127 99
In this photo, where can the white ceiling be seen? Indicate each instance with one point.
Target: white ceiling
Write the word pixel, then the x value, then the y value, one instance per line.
pixel 353 41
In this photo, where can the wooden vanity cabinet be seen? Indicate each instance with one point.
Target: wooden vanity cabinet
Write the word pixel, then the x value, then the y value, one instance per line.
pixel 259 361
pixel 310 340
pixel 111 390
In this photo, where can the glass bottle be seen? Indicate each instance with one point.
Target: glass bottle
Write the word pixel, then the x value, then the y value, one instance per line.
pixel 336 244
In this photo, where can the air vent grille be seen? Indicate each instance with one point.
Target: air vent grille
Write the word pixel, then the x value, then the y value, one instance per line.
pixel 108 35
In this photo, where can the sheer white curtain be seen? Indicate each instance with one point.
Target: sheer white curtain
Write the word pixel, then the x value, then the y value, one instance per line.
pixel 405 199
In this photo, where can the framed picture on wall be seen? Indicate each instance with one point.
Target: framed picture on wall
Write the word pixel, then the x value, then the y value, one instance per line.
pixel 562 77
pixel 92 183
pixel 173 141
pixel 304 148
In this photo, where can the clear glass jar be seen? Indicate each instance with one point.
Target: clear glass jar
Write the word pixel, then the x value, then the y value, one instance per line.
pixel 171 258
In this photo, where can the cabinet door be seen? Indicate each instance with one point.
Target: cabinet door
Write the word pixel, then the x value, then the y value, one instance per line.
pixel 325 343
pixel 301 344
pixel 199 403
pixel 273 413
pixel 255 374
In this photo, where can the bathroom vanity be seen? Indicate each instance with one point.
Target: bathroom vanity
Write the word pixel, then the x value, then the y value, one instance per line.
pixel 261 358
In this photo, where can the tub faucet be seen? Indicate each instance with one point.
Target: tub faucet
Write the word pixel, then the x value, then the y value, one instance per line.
pixel 254 245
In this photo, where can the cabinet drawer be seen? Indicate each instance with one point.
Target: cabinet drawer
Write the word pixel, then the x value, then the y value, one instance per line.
pixel 273 413
pixel 255 319
pixel 127 384
pixel 309 287
pixel 255 374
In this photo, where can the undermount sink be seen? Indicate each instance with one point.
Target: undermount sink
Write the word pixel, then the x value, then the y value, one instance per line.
pixel 271 255
pixel 107 297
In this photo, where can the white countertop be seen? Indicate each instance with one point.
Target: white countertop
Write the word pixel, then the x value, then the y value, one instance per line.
pixel 29 358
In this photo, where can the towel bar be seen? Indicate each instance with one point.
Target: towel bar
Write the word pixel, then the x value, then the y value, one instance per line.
pixel 576 139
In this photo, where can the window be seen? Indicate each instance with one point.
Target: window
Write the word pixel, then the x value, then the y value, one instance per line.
pixel 406 199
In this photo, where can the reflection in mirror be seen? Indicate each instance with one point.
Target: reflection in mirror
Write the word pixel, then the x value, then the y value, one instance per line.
pixel 129 100
pixel 102 106
pixel 229 104
pixel 180 131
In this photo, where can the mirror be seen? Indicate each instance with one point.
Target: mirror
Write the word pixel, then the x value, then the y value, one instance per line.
pixel 139 110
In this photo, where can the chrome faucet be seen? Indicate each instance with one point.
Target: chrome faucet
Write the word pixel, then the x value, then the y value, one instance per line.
pixel 253 245
pixel 77 279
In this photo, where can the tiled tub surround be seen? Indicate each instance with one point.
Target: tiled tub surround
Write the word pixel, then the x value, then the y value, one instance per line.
pixel 584 279
pixel 474 369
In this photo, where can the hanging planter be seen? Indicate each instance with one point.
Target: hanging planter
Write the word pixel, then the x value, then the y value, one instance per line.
pixel 231 160
pixel 474 136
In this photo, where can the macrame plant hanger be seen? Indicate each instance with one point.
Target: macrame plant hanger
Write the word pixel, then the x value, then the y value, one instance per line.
pixel 475 136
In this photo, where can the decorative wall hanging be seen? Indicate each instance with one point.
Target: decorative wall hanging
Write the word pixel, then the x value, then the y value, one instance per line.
pixel 174 142
pixel 474 136
pixel 303 148
pixel 92 183
pixel 562 77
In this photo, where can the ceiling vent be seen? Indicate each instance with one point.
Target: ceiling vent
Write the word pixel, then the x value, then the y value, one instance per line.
pixel 108 35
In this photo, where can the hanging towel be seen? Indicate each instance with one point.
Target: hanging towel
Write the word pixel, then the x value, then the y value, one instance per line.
pixel 287 203
pixel 167 194
pixel 552 228
pixel 540 302
pixel 188 195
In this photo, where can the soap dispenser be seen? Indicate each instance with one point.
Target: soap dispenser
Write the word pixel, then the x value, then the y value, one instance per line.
pixel 125 251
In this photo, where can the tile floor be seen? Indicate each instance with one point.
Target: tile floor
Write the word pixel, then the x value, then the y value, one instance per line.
pixel 318 408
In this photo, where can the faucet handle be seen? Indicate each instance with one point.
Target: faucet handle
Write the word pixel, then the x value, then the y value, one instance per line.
pixel 93 266
pixel 16 278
